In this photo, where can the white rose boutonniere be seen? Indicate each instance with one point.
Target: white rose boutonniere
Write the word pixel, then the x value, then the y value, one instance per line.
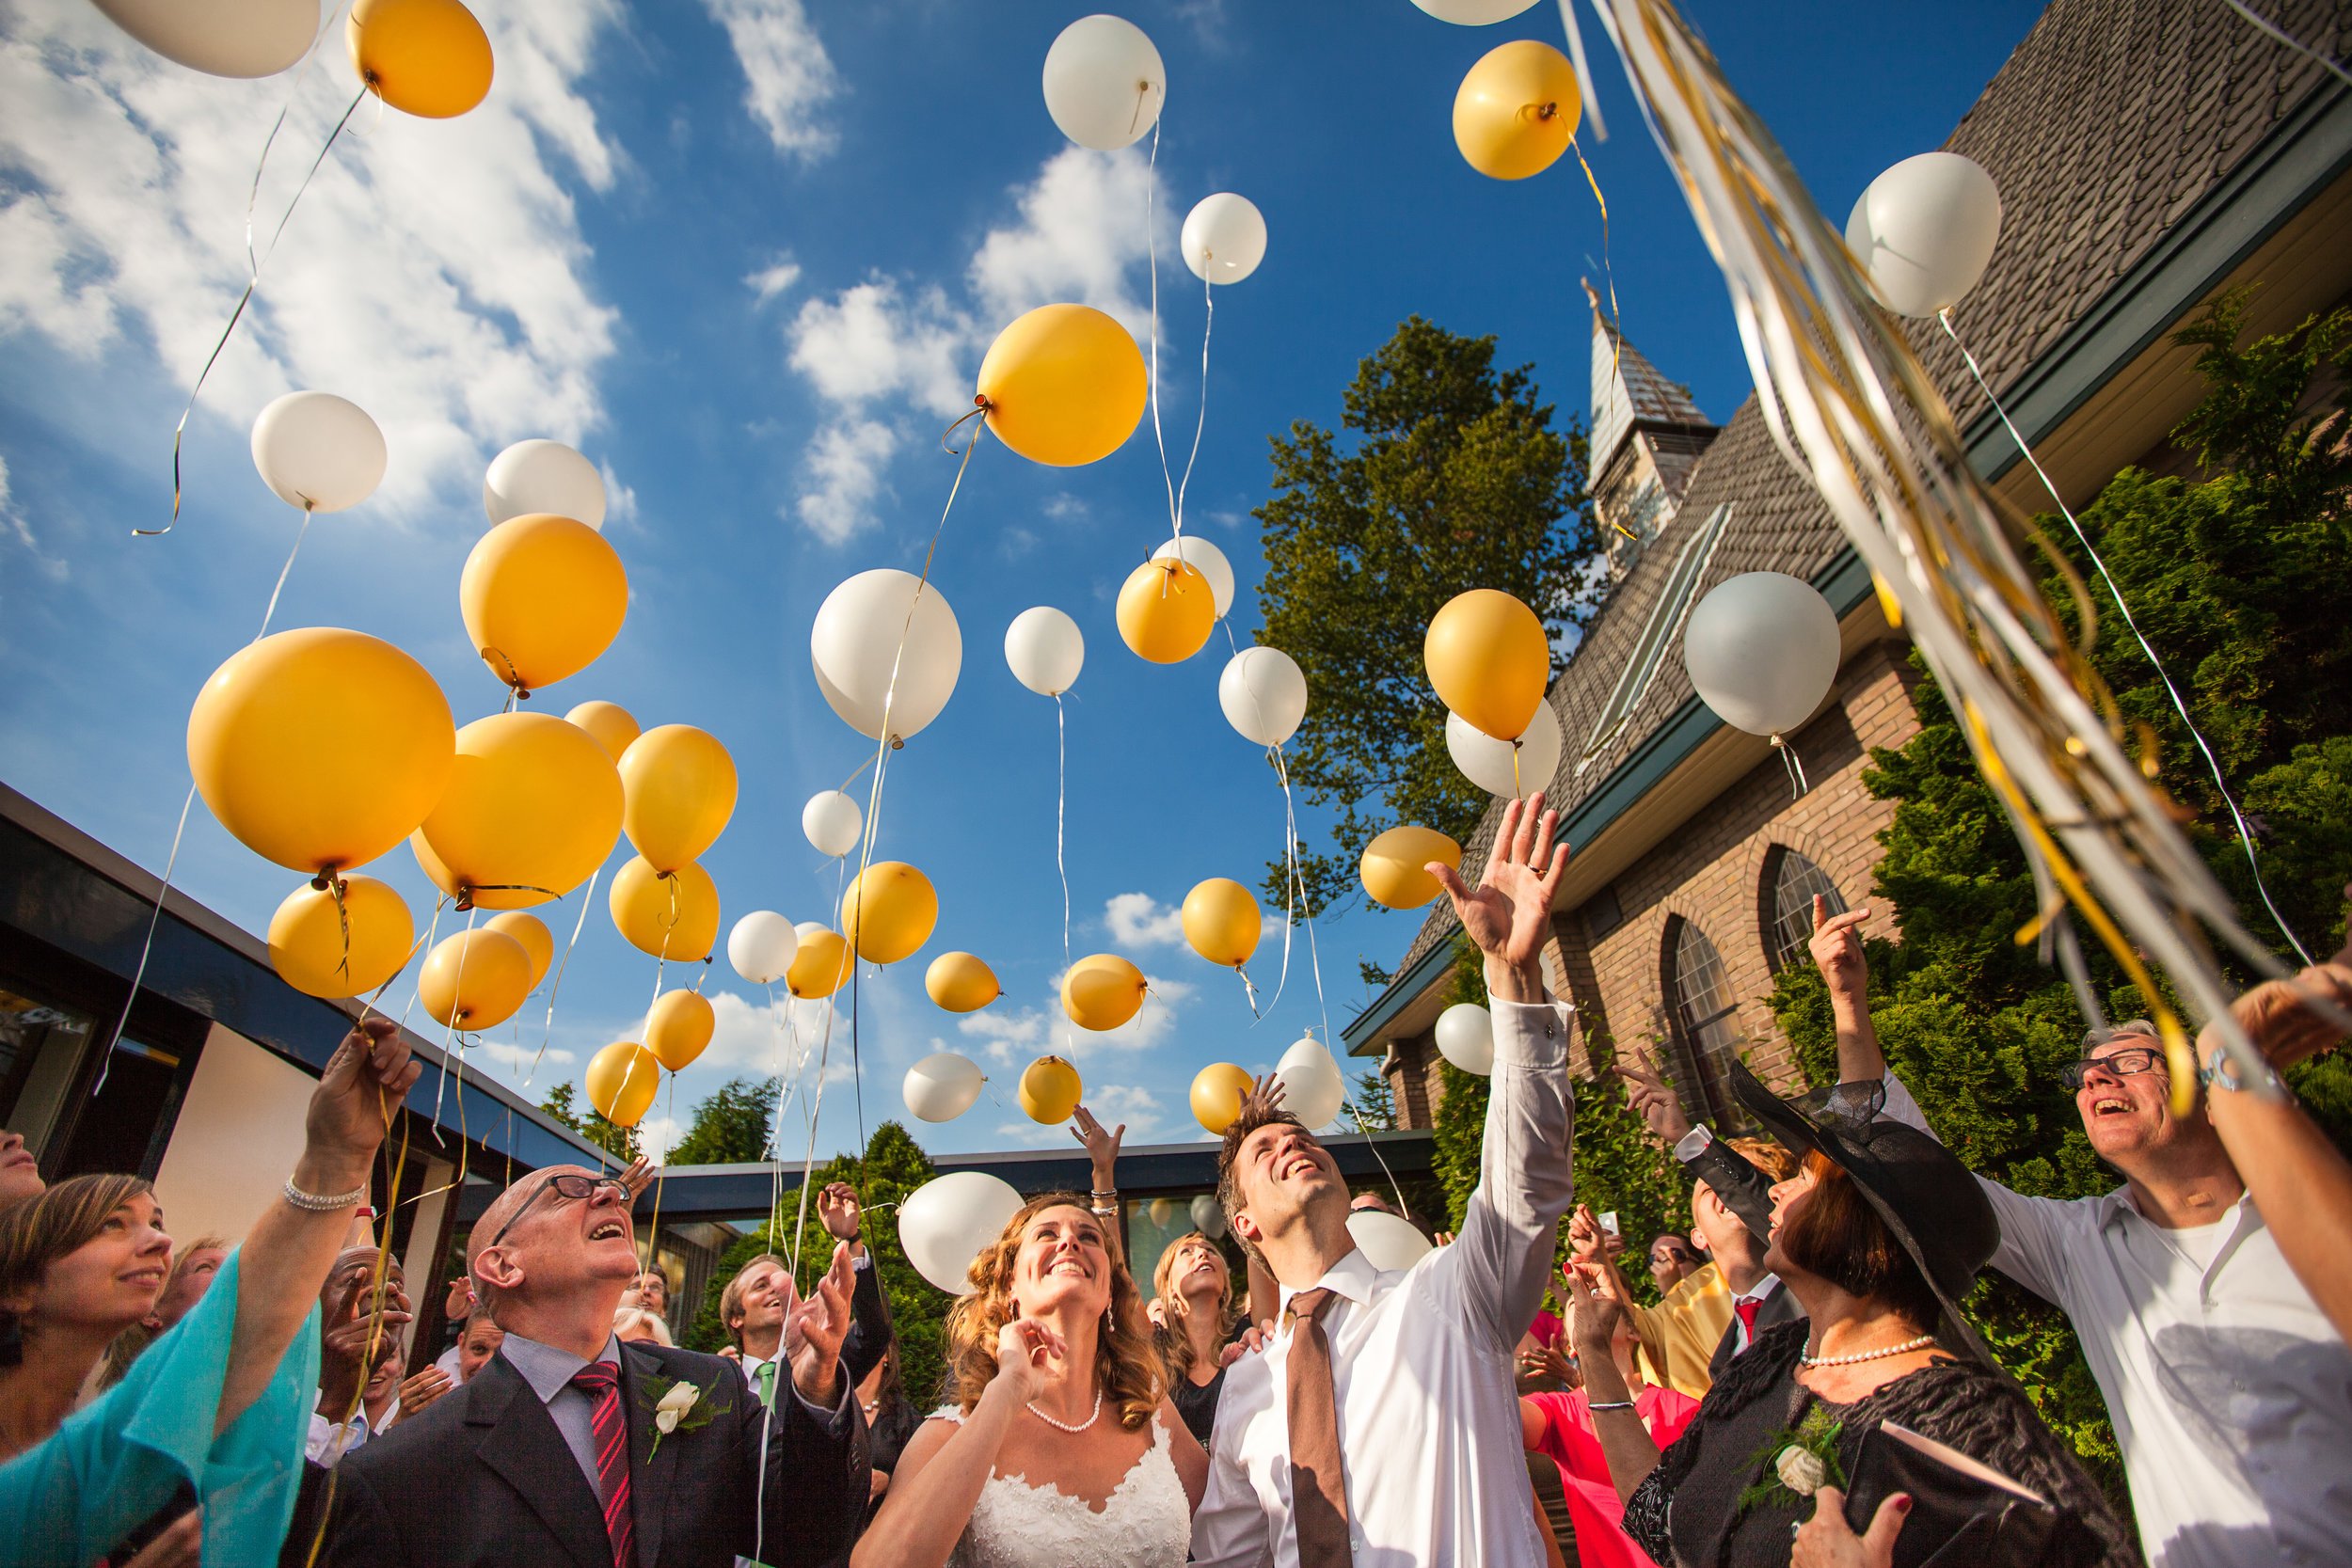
pixel 681 1398
pixel 677 1406
pixel 1795 1463
pixel 1801 1470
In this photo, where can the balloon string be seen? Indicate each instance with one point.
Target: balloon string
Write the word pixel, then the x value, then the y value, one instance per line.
pixel 2333 68
pixel 661 1175
pixel 588 896
pixel 337 887
pixel 1797 783
pixel 432 927
pixel 269 610
pixel 146 947
pixel 843 788
pixel 2180 706
pixel 1608 272
pixel 448 1033
pixel 1062 806
pixel 1151 244
pixel 1208 292
pixel 253 282
pixel 1292 881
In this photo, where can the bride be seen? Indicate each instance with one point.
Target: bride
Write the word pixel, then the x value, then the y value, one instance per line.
pixel 1058 1444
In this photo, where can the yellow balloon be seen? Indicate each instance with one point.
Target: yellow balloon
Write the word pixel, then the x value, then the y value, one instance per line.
pixel 320 749
pixel 1221 922
pixel 323 951
pixel 475 979
pixel 612 725
pixel 1489 661
pixel 425 57
pixel 531 807
pixel 680 787
pixel 679 1028
pixel 621 1080
pixel 1162 1211
pixel 538 943
pixel 888 912
pixel 1063 384
pixel 1101 992
pixel 674 916
pixel 542 596
pixel 1049 1089
pixel 1395 865
pixel 1165 612
pixel 962 983
pixel 1216 1091
pixel 1517 110
pixel 820 965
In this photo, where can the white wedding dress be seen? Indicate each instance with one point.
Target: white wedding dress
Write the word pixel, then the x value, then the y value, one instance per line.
pixel 1146 1524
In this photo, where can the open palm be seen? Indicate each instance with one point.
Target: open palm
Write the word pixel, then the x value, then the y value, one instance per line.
pixel 1509 912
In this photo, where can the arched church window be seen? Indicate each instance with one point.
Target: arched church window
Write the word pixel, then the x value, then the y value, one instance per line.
pixel 1795 880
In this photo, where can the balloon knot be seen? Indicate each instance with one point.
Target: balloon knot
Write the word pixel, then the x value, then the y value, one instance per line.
pixel 323 882
pixel 1777 742
pixel 465 900
pixel 1548 111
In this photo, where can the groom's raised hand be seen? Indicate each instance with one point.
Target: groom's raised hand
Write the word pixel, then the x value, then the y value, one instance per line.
pixel 818 1325
pixel 1509 912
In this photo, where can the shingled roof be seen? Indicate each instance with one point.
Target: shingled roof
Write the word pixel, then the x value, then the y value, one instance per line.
pixel 2103 128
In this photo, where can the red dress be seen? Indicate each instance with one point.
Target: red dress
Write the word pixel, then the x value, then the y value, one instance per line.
pixel 1568 1438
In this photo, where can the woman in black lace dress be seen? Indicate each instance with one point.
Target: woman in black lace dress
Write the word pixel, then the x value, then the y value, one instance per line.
pixel 1878 1236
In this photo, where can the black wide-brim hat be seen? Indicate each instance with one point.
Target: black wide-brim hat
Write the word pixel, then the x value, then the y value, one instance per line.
pixel 1928 1201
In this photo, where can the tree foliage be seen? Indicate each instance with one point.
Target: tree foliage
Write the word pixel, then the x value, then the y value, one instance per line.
pixel 1446 474
pixel 731 1127
pixel 618 1141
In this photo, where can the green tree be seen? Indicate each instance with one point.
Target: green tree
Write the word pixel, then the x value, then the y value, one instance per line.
pixel 618 1141
pixel 1447 475
pixel 731 1127
pixel 1373 1105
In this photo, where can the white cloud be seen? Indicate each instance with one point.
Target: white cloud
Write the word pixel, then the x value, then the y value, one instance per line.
pixel 788 75
pixel 620 501
pixel 872 341
pixel 847 467
pixel 774 279
pixel 1080 234
pixel 1138 920
pixel 518 1059
pixel 13 526
pixel 434 271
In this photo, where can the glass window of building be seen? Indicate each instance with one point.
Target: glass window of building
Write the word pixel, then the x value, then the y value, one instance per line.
pixel 1705 1016
pixel 1796 881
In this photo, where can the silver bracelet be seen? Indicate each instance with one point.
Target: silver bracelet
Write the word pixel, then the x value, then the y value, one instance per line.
pixel 320 1203
pixel 1609 1405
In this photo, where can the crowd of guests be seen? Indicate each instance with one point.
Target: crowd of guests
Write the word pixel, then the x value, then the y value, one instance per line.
pixel 1801 1387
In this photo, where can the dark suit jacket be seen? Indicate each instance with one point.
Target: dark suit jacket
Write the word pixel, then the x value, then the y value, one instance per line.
pixel 484 1478
pixel 869 1339
pixel 1778 1307
pixel 1747 1191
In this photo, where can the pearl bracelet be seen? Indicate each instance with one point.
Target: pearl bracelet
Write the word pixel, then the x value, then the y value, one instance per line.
pixel 321 1203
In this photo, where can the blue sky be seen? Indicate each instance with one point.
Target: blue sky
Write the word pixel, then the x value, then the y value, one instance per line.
pixel 746 254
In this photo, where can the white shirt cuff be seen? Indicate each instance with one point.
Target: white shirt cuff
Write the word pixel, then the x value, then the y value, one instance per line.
pixel 1693 1142
pixel 1530 1034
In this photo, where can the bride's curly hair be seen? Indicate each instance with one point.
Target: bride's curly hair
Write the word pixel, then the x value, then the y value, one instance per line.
pixel 1126 1369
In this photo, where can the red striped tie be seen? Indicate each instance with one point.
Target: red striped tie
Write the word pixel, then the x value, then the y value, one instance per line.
pixel 601 1382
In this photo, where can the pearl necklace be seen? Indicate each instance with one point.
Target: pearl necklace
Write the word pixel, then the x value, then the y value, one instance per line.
pixel 1904 1349
pixel 1065 1425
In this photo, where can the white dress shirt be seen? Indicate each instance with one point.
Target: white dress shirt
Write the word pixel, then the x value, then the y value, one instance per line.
pixel 1760 1294
pixel 1421 1359
pixel 2231 1393
pixel 329 1440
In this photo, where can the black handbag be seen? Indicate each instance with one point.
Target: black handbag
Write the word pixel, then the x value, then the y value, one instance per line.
pixel 1963 1510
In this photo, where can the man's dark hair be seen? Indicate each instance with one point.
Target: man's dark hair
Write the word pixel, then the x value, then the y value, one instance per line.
pixel 1253 1116
pixel 1682 1235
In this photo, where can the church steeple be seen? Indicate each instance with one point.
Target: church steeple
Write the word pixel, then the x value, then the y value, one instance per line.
pixel 1646 437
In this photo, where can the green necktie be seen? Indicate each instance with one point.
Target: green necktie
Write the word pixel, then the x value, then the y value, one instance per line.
pixel 765 1378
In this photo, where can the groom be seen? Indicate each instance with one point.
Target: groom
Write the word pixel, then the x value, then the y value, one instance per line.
pixel 1380 1426
pixel 554 1454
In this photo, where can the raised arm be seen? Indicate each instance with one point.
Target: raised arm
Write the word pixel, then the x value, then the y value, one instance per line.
pixel 1746 1191
pixel 1837 949
pixel 1497 1269
pixel 1625 1442
pixel 869 1339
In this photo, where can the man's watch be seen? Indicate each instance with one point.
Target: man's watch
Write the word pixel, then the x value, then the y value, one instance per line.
pixel 2220 1073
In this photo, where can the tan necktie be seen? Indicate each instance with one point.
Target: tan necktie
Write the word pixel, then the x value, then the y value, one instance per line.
pixel 1318 1493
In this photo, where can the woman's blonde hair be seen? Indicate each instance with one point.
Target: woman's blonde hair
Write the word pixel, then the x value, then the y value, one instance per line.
pixel 1175 1345
pixel 627 1317
pixel 1126 1369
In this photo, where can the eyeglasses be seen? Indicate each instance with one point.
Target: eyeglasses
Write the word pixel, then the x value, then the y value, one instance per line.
pixel 1851 1107
pixel 564 1185
pixel 2126 1063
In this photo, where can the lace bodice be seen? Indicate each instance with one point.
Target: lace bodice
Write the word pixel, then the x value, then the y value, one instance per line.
pixel 1146 1524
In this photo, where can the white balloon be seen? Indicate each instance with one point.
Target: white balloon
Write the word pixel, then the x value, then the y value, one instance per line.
pixel 1924 230
pixel 832 822
pixel 543 476
pixel 761 946
pixel 1264 694
pixel 1762 651
pixel 1103 83
pixel 1208 1216
pixel 943 1085
pixel 1487 762
pixel 1313 1089
pixel 944 1224
pixel 1466 1037
pixel 220 37
pixel 854 645
pixel 1223 240
pixel 1473 13
pixel 1388 1242
pixel 319 450
pixel 1046 650
pixel 1207 559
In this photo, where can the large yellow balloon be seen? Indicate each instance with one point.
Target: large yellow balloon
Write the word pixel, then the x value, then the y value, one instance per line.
pixel 538 942
pixel 1216 1091
pixel 320 749
pixel 621 1080
pixel 475 979
pixel 888 912
pixel 1517 110
pixel 531 807
pixel 1101 992
pixel 425 57
pixel 1395 865
pixel 820 965
pixel 1489 661
pixel 323 951
pixel 1165 612
pixel 962 983
pixel 542 596
pixel 674 917
pixel 679 1028
pixel 1221 922
pixel 680 787
pixel 1050 1088
pixel 1064 385
pixel 613 725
